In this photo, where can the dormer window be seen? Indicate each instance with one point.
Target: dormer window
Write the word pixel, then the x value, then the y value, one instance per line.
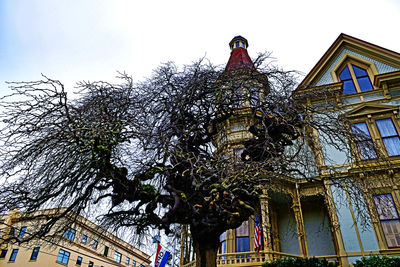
pixel 355 79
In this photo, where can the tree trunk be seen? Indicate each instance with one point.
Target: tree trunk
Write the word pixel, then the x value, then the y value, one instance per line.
pixel 206 243
pixel 205 256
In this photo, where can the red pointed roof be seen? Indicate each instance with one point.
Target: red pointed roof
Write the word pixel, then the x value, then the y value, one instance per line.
pixel 239 59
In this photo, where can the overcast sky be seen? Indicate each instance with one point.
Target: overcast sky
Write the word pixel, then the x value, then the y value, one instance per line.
pixel 74 40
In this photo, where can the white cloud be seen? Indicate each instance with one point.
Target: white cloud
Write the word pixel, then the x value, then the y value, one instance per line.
pixel 75 40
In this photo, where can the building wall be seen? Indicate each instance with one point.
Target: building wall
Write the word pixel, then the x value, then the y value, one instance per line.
pixel 50 247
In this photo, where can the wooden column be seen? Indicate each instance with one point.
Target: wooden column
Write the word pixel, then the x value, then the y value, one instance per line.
pixel 266 225
pixel 335 226
pixel 298 215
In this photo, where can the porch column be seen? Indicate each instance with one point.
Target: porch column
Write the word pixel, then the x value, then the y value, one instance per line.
pixel 266 225
pixel 335 226
pixel 298 215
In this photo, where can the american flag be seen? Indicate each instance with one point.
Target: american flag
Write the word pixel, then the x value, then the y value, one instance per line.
pixel 257 234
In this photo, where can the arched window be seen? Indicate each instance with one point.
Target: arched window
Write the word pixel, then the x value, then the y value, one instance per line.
pixel 355 79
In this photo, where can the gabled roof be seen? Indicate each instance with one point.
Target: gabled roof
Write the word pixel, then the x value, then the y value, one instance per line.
pixel 346 41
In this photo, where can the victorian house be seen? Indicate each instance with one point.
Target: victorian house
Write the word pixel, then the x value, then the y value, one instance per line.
pixel 321 217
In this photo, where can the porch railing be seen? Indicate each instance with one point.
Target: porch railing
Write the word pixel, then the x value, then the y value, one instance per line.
pixel 258 258
pixel 254 258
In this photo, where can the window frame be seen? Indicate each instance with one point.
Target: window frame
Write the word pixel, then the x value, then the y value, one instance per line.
pixel 70 234
pixel 382 138
pixel 35 254
pixel 116 253
pixel 79 261
pixel 95 244
pixel 222 243
pixel 354 78
pixel 358 142
pixel 84 239
pixel 22 232
pixel 13 255
pixel 387 220
pixel 349 59
pixel 240 237
pixel 64 255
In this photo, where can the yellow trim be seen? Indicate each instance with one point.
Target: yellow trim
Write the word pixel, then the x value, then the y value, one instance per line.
pixel 347 59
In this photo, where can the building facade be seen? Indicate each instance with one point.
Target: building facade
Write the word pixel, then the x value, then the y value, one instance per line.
pixel 324 216
pixel 82 243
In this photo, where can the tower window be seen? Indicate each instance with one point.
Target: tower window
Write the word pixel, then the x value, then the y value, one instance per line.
pixel 355 79
pixel 237 44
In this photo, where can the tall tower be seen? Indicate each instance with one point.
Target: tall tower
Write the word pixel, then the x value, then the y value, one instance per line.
pixel 246 88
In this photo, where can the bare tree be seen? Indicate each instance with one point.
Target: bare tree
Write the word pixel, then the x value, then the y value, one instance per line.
pixel 155 152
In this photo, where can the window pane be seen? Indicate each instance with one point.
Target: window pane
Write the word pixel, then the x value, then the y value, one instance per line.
pixel 345 74
pixel 366 149
pixel 22 232
pixel 70 234
pixel 63 256
pixel 222 237
pixel 385 207
pixel 386 127
pixel 392 145
pixel 242 244
pixel 35 253
pixel 133 263
pixel 348 87
pixel 117 256
pixel 222 247
pixel 359 71
pixel 361 131
pixel 79 260
pixel 243 230
pixel 13 255
pixel 365 84
pixel 391 229
pixel 84 239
